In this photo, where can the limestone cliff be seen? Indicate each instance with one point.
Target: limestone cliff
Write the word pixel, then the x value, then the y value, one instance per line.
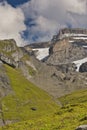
pixel 63 52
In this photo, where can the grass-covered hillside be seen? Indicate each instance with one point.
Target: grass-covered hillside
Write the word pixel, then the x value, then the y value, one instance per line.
pixel 32 109
pixel 26 102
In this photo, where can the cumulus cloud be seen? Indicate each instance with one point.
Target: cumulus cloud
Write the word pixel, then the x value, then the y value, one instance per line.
pixel 46 17
pixel 11 23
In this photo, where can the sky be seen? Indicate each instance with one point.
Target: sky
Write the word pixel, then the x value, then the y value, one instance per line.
pixel 30 21
pixel 15 3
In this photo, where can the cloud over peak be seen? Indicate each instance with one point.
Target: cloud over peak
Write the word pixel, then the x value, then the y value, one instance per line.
pixel 43 19
pixel 48 16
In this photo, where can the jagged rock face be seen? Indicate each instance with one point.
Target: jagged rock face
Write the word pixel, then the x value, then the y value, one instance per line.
pixel 65 52
pixel 10 53
pixel 58 81
pixel 5 87
pixel 83 67
pixel 8 45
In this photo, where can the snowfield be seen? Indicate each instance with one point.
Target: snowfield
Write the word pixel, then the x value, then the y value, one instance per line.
pixel 41 53
pixel 71 41
pixel 79 63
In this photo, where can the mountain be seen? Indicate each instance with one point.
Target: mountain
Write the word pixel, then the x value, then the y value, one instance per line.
pixel 44 85
pixel 69 46
pixel 59 69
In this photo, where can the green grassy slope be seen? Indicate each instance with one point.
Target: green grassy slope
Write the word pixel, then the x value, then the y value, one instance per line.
pixel 72 114
pixel 76 105
pixel 27 102
pixel 47 115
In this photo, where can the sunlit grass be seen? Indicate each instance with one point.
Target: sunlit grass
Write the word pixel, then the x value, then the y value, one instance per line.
pixel 33 109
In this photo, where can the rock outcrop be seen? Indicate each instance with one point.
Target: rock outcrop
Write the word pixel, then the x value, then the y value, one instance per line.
pixel 65 52
pixel 65 68
pixel 83 67
pixel 10 53
pixel 16 57
pixel 5 87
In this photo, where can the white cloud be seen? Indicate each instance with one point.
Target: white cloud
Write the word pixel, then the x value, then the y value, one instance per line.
pixel 48 16
pixel 11 23
pixel 51 15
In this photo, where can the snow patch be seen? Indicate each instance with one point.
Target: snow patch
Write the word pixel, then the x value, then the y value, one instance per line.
pixel 79 63
pixel 41 53
pixel 77 36
pixel 81 38
pixel 71 41
pixel 84 46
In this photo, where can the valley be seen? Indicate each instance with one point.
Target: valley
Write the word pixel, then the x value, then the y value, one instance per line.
pixel 43 86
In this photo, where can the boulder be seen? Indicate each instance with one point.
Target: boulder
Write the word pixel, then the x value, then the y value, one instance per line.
pixel 65 68
pixel 82 127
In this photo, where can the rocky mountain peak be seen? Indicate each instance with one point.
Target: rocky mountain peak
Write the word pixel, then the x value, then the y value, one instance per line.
pixel 71 33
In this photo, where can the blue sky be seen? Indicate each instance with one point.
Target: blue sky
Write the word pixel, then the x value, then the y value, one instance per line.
pixel 15 3
pixel 29 21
